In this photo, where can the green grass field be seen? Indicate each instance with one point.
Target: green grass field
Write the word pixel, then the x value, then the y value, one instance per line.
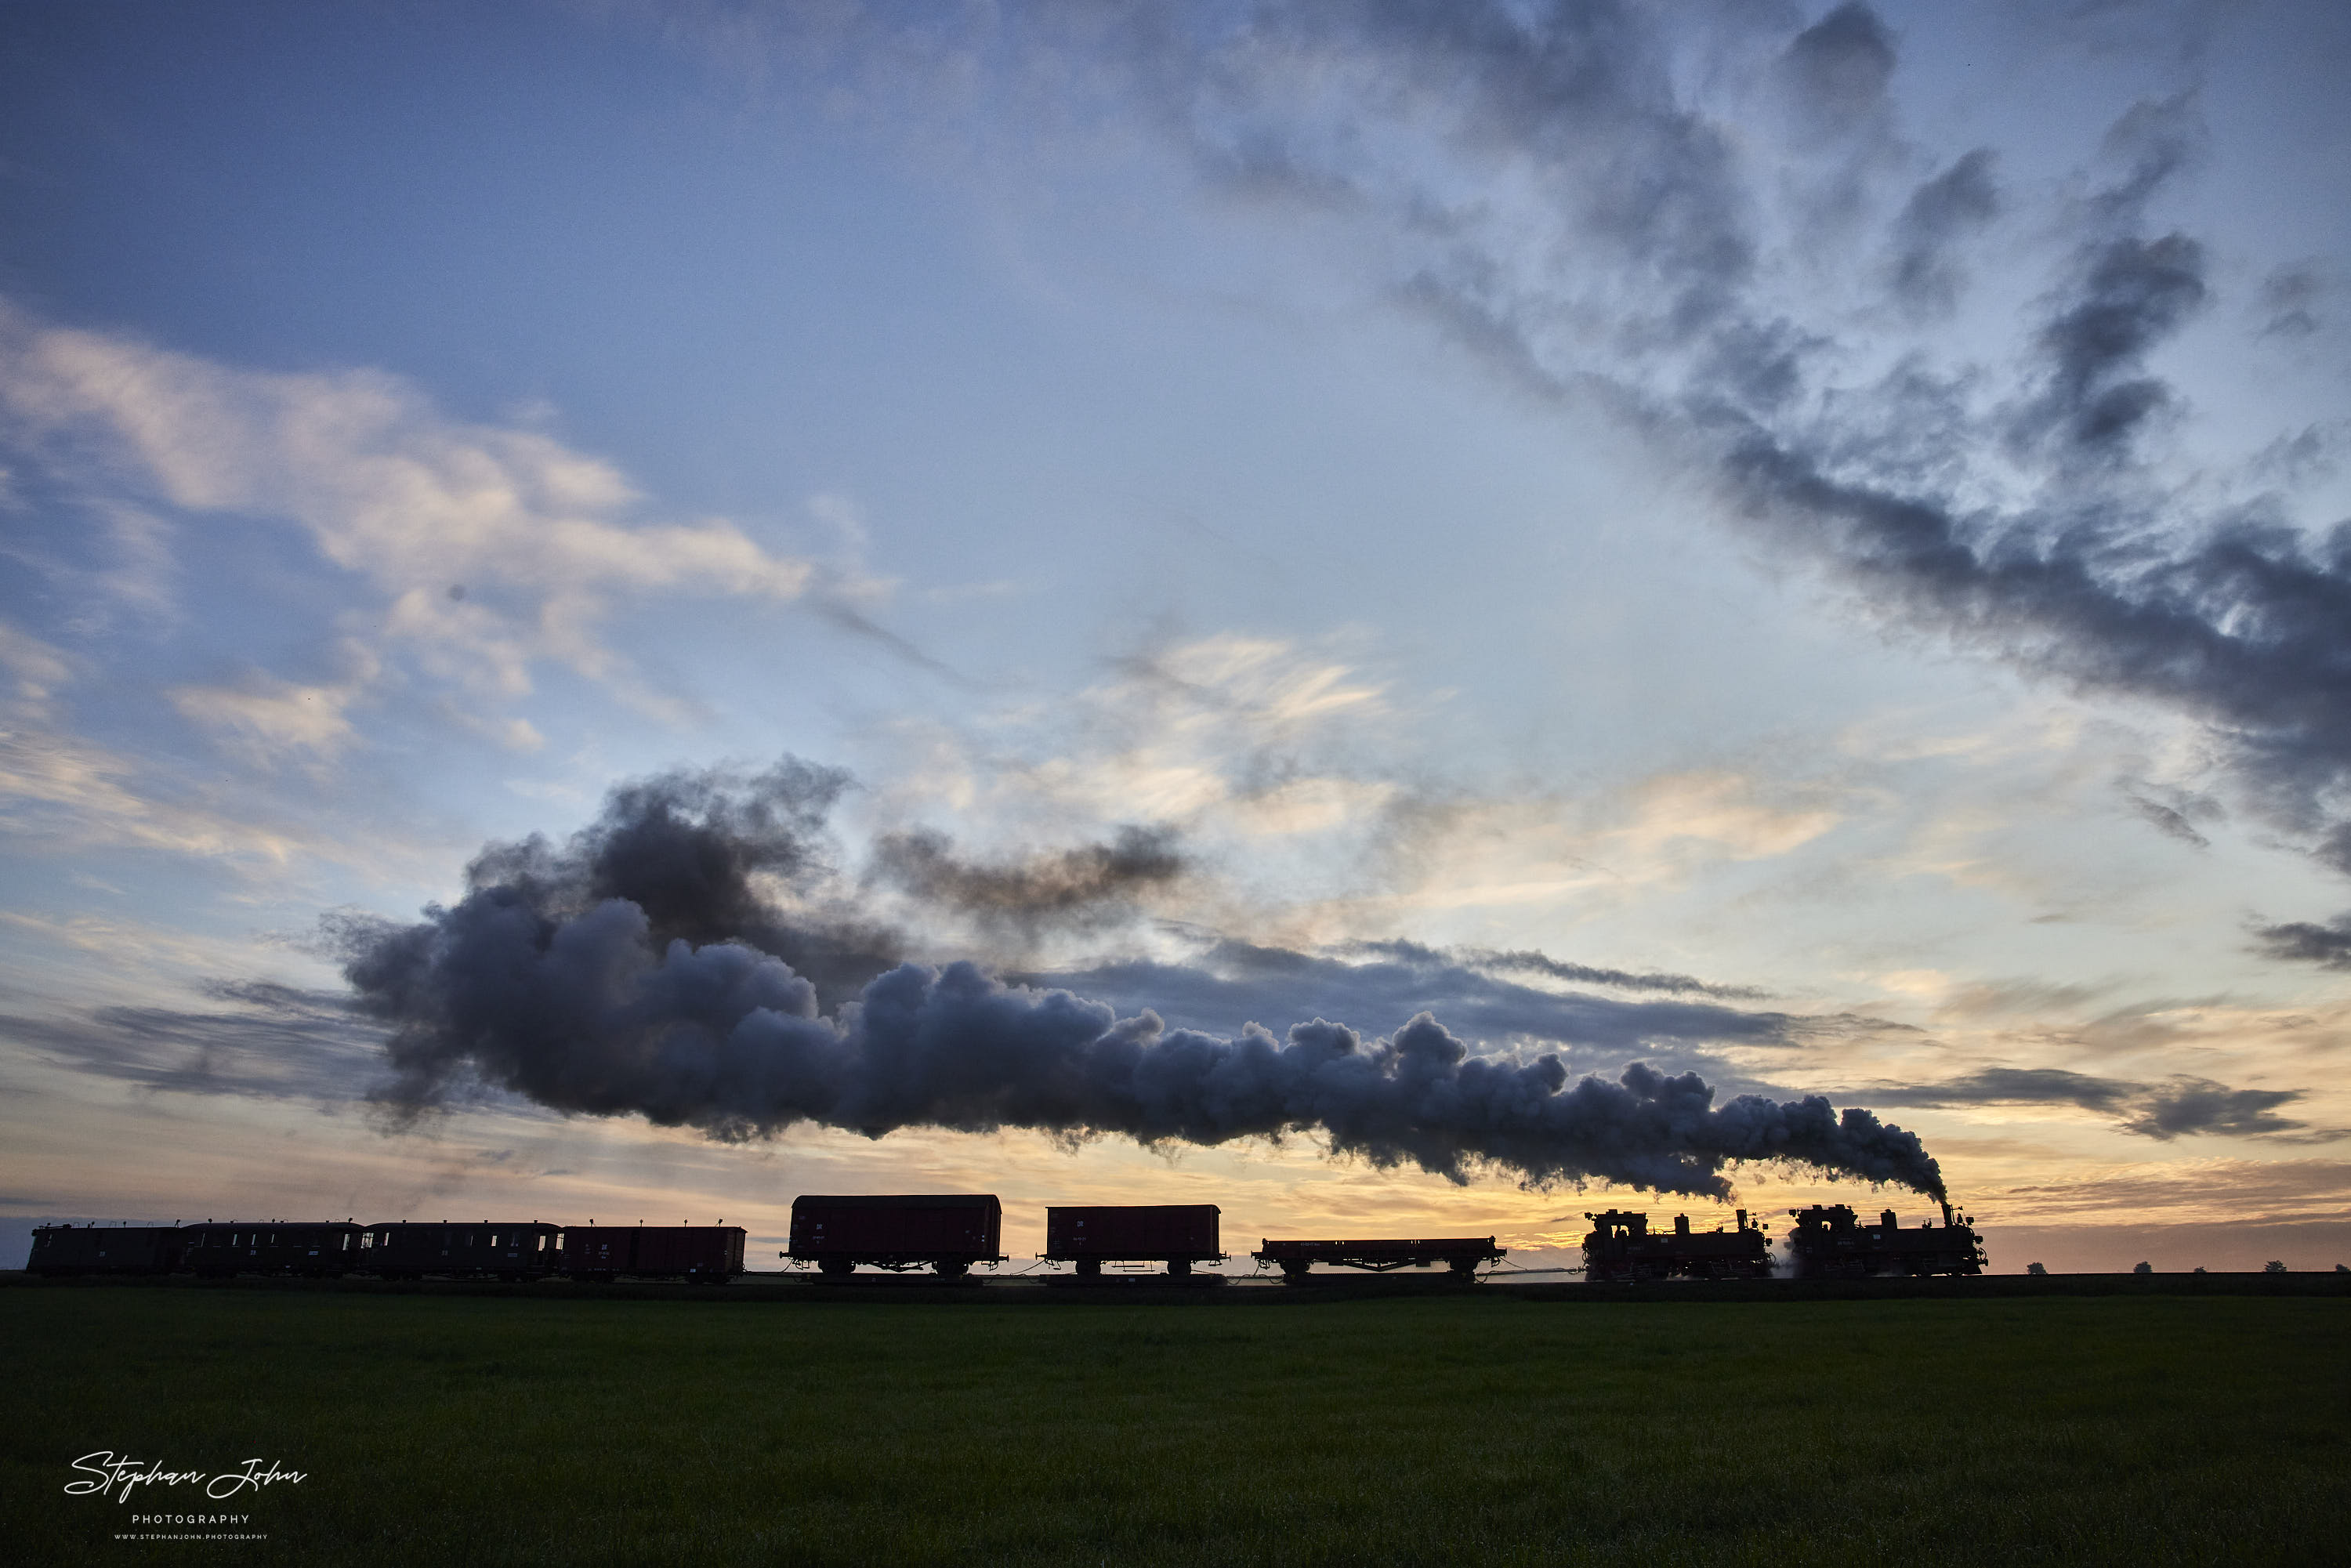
pixel 1465 1428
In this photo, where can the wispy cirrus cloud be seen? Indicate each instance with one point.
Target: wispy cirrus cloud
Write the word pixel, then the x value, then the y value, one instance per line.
pixel 2179 1106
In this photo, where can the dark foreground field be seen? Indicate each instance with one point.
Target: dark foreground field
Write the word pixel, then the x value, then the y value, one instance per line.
pixel 1467 1427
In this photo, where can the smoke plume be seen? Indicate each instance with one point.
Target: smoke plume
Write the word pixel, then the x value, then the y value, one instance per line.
pixel 601 977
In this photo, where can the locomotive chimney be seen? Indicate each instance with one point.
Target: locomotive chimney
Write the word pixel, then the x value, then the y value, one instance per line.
pixel 1742 1219
pixel 1947 1211
pixel 1886 1220
pixel 1681 1225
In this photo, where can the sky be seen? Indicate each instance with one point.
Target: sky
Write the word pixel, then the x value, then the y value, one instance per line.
pixel 624 611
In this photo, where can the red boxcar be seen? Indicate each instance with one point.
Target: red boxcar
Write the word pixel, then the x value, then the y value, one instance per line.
pixel 945 1231
pixel 1177 1234
pixel 1462 1254
pixel 705 1254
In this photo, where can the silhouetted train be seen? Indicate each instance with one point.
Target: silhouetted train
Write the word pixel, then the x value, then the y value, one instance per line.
pixel 489 1249
pixel 948 1233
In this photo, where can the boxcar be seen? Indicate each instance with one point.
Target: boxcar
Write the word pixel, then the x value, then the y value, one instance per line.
pixel 705 1254
pixel 65 1249
pixel 489 1248
pixel 1462 1254
pixel 945 1231
pixel 272 1246
pixel 1621 1247
pixel 1177 1234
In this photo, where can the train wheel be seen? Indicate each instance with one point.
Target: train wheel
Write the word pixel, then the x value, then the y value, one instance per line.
pixel 952 1268
pixel 1178 1268
pixel 1464 1267
pixel 1295 1271
pixel 836 1266
pixel 1089 1268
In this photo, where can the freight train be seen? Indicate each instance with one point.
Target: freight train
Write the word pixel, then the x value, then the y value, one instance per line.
pixel 950 1233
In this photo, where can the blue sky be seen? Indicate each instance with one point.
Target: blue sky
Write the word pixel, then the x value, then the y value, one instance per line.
pixel 1832 506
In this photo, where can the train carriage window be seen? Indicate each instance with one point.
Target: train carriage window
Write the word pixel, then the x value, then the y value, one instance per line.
pixel 494 1239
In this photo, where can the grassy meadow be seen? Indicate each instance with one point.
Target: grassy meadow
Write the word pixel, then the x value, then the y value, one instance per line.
pixel 1464 1428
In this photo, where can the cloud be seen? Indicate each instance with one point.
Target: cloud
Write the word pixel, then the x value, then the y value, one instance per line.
pixel 263 1041
pixel 1586 217
pixel 1838 68
pixel 2177 1107
pixel 1941 214
pixel 2307 942
pixel 270 721
pixel 2171 823
pixel 488 550
pixel 2290 300
pixel 1386 983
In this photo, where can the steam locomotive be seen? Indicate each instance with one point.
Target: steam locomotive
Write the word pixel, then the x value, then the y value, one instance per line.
pixel 1827 1242
pixel 1830 1242
pixel 1622 1248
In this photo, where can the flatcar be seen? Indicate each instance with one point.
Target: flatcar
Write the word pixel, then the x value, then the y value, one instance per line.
pixel 945 1232
pixel 1830 1242
pixel 1621 1247
pixel 63 1250
pixel 1177 1234
pixel 1461 1254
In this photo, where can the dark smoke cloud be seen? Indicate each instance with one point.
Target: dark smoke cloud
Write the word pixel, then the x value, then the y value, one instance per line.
pixel 710 855
pixel 1080 889
pixel 550 979
pixel 2177 1107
